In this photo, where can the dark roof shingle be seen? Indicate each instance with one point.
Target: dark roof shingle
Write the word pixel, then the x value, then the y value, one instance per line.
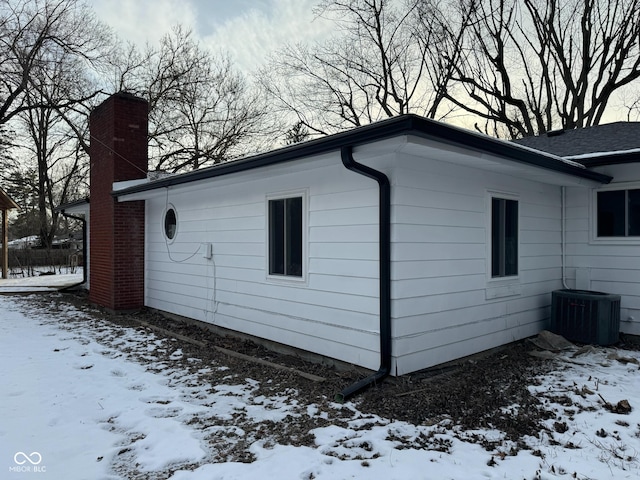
pixel 610 137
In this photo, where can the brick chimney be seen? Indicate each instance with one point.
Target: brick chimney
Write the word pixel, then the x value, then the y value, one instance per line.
pixel 118 152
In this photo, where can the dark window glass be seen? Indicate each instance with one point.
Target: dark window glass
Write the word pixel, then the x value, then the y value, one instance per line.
pixel 611 214
pixel 504 237
pixel 618 213
pixel 634 212
pixel 285 237
pixel 170 223
pixel 276 237
pixel 496 226
pixel 511 238
pixel 293 233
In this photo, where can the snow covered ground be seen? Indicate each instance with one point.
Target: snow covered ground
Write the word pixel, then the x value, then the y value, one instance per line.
pixel 83 398
pixel 40 283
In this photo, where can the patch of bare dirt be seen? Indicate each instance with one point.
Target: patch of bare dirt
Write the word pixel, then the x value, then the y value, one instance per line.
pixel 486 392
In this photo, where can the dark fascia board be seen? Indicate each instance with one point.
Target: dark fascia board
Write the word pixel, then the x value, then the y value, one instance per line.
pixel 76 203
pixel 393 127
pixel 615 158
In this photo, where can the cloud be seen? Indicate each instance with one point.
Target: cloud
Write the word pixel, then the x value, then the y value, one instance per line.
pixel 142 21
pixel 253 34
pixel 249 30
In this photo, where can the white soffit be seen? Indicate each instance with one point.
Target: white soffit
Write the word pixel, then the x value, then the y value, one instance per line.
pixel 78 209
pixel 459 155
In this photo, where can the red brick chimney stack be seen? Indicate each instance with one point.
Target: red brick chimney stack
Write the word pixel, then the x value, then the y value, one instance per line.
pixel 118 152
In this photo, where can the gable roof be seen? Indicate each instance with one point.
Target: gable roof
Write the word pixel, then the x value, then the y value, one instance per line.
pixel 393 127
pixel 6 202
pixel 611 143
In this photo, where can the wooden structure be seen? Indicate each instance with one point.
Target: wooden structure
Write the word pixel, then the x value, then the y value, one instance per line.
pixel 6 204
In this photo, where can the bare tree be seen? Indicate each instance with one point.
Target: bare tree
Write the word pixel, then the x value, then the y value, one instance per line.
pixel 32 29
pixel 51 148
pixel 5 144
pixel 201 110
pixel 46 49
pixel 527 67
pixel 632 106
pixel 296 134
pixel 375 67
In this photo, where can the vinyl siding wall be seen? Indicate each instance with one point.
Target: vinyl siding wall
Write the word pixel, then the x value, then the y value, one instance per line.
pixel 445 305
pixel 605 265
pixel 333 312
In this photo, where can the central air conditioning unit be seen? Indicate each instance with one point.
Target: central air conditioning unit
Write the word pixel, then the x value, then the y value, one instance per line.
pixel 586 317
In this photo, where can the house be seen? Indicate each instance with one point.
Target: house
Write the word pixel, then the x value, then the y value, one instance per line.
pixel 6 204
pixel 602 225
pixel 394 246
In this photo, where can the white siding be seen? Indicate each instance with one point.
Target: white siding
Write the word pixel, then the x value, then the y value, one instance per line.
pixel 334 312
pixel 445 305
pixel 603 265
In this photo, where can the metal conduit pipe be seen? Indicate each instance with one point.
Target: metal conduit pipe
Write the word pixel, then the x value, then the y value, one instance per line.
pixel 384 227
pixel 563 209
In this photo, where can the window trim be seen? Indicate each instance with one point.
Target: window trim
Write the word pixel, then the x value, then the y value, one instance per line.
pixel 167 208
pixel 509 279
pixel 593 216
pixel 302 279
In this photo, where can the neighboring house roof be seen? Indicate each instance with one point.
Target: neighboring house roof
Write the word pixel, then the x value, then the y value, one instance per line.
pixel 410 125
pixel 77 206
pixel 6 202
pixel 606 144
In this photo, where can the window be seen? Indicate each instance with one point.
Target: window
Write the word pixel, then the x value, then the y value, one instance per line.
pixel 618 213
pixel 504 237
pixel 285 236
pixel 170 223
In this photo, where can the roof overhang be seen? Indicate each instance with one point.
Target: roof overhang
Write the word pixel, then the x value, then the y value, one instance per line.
pixel 79 207
pixel 599 159
pixel 474 149
pixel 6 202
pixel 481 160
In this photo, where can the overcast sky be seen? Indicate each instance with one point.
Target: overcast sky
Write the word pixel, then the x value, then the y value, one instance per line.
pixel 247 29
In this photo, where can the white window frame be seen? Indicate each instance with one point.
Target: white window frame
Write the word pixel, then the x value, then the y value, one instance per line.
pixel 168 207
pixel 593 215
pixel 506 286
pixel 305 236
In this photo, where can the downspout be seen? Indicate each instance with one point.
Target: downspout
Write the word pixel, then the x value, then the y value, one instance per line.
pixel 84 250
pixel 563 227
pixel 385 272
